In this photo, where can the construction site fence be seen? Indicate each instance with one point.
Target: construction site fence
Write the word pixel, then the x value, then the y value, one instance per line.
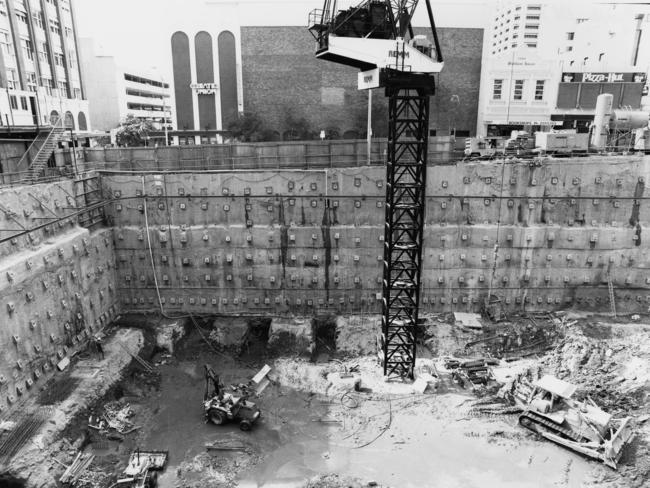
pixel 303 155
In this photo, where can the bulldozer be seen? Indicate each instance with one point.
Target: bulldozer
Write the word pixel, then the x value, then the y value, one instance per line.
pixel 550 411
pixel 221 407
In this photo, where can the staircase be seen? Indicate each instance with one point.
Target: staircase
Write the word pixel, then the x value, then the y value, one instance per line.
pixel 39 152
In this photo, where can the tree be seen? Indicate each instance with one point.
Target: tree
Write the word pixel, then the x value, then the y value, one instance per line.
pixel 296 128
pixel 134 132
pixel 248 127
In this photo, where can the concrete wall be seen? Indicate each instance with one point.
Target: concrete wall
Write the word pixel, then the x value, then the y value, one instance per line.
pixel 57 284
pixel 540 234
pixel 304 154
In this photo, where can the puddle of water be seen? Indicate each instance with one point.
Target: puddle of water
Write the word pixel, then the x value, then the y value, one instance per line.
pixel 436 453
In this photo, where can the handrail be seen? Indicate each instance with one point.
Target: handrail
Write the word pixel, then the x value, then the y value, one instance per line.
pixel 57 125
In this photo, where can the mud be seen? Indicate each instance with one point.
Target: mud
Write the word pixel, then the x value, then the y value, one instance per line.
pixel 317 431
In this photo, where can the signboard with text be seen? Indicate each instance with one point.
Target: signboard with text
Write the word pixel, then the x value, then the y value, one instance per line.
pixel 593 77
pixel 204 88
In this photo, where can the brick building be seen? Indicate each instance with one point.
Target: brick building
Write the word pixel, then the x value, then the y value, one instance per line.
pixel 272 72
pixel 283 80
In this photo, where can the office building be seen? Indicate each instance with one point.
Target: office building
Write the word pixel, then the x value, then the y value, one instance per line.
pixel 40 78
pixel 545 63
pixel 114 92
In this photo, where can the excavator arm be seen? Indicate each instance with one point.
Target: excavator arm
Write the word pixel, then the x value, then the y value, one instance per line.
pixel 212 383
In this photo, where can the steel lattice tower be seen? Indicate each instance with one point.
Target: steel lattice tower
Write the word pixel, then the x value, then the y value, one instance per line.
pixel 405 207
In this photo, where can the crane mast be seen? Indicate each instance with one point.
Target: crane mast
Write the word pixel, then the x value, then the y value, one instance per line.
pixel 373 38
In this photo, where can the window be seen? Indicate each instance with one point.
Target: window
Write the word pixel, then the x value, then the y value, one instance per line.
pixel 5 43
pixel 532 17
pixel 38 19
pixel 600 56
pixel 569 48
pixel 31 81
pixel 72 59
pixel 532 44
pixel 515 27
pixel 63 89
pixel 23 103
pixel 3 8
pixel 55 27
pixel 514 44
pixel 534 7
pixel 48 85
pixel 532 26
pixel 68 32
pixel 515 36
pixel 59 59
pixel 581 20
pixel 517 8
pixel 519 90
pixel 497 89
pixel 28 49
pixel 539 90
pixel 53 2
pixel 570 36
pixel 77 93
pixel 530 36
pixel 13 101
pixel 12 82
pixel 21 17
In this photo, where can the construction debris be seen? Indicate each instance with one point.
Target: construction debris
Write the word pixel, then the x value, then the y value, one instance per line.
pixel 471 320
pixel 75 470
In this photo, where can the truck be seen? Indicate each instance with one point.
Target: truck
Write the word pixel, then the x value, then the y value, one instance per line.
pixel 484 147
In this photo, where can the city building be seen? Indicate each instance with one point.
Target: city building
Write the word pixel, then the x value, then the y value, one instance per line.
pixel 115 93
pixel 226 67
pixel 544 66
pixel 40 78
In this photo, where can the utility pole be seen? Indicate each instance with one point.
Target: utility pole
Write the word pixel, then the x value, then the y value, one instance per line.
pixel 369 130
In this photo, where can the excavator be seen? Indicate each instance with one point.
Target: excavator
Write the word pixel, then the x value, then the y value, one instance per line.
pixel 377 38
pixel 220 407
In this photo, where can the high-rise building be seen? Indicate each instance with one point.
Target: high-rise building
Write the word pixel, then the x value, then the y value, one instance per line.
pixel 40 78
pixel 114 92
pixel 545 63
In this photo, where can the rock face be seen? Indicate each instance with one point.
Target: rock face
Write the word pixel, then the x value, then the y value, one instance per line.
pixel 356 334
pixel 229 332
pixel 168 333
pixel 291 335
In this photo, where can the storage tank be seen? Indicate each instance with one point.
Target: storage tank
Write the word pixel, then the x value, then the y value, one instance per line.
pixel 629 119
pixel 601 120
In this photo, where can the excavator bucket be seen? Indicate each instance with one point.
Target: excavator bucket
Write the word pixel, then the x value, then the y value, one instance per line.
pixel 613 447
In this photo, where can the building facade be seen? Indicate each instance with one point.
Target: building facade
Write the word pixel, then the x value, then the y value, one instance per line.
pixel 40 77
pixel 227 67
pixel 115 93
pixel 544 66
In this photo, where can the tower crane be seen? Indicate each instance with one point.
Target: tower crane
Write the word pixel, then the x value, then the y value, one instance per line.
pixel 377 37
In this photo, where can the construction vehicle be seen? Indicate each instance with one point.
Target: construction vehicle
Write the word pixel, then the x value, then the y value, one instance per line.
pixel 485 147
pixel 142 469
pixel 551 412
pixel 376 36
pixel 221 407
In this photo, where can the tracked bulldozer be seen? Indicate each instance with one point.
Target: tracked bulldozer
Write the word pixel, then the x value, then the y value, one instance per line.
pixel 551 412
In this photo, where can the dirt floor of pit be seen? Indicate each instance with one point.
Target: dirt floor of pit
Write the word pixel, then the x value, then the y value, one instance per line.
pixel 387 434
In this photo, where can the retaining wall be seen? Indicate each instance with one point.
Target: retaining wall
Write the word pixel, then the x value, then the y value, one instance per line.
pixel 539 234
pixel 57 285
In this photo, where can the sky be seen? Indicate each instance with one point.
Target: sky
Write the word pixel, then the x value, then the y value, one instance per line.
pixel 138 32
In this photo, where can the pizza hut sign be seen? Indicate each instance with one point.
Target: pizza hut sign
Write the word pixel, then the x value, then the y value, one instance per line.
pixel 589 77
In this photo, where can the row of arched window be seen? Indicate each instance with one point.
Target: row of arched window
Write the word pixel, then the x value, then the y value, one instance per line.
pixel 68 120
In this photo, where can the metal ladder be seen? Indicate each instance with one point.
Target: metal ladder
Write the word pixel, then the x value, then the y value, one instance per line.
pixel 612 298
